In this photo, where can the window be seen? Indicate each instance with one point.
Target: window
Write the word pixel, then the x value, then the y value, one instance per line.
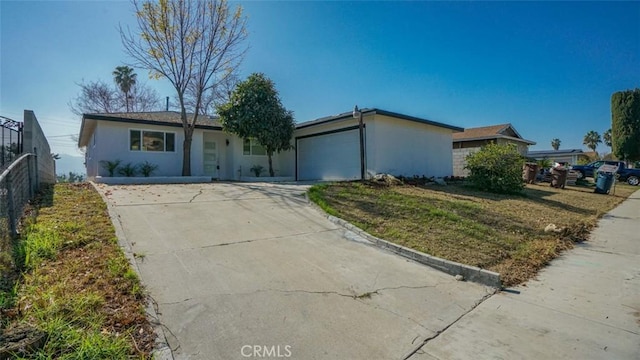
pixel 143 140
pixel 251 147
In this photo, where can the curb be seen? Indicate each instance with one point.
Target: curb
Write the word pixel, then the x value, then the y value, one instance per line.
pixel 470 273
pixel 162 350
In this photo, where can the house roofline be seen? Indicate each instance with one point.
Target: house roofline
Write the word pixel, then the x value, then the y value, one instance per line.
pixel 141 121
pixel 348 115
pixel 496 136
pixel 557 152
pixel 83 141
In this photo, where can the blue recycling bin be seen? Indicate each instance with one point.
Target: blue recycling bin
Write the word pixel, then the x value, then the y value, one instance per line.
pixel 604 182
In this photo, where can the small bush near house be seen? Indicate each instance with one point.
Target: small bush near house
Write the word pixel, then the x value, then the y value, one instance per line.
pixel 496 168
pixel 257 170
pixel 128 170
pixel 147 168
pixel 110 166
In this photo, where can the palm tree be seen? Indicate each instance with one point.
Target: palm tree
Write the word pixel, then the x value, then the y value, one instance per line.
pixel 125 78
pixel 592 139
pixel 555 144
pixel 607 138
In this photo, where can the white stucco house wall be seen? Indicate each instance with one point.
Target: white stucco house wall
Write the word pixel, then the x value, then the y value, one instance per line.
pixel 324 149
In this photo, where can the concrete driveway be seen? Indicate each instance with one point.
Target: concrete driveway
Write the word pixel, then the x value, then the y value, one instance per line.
pixel 252 271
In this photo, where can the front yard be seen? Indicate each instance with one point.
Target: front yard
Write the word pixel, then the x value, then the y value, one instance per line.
pixel 76 292
pixel 501 233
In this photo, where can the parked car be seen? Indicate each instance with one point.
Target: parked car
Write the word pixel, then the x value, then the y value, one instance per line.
pixel 631 176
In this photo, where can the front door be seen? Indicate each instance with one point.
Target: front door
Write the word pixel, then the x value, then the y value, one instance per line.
pixel 210 157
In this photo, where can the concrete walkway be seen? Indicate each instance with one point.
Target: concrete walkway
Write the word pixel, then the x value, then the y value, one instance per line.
pixel 252 271
pixel 585 305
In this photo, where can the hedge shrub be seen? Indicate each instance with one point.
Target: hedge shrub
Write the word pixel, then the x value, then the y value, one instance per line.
pixel 496 168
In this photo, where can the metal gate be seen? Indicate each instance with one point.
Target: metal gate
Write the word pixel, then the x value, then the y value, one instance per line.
pixel 11 141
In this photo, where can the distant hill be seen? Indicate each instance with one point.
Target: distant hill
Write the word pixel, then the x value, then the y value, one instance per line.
pixel 67 163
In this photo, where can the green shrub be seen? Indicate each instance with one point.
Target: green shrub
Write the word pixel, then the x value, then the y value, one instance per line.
pixel 110 166
pixel 147 168
pixel 496 168
pixel 128 170
pixel 257 170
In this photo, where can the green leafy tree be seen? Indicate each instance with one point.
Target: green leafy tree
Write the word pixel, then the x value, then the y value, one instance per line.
pixel 496 168
pixel 591 140
pixel 625 124
pixel 125 78
pixel 255 111
pixel 190 43
pixel 555 144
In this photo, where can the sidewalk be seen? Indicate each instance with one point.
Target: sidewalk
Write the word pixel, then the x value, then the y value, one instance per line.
pixel 584 305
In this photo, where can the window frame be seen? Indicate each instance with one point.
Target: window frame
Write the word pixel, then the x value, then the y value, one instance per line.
pixel 164 140
pixel 252 143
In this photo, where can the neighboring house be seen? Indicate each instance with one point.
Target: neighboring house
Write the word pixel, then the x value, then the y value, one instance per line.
pixel 324 149
pixel 471 140
pixel 571 156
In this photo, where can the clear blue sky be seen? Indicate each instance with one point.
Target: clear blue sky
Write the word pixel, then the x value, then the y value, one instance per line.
pixel 549 68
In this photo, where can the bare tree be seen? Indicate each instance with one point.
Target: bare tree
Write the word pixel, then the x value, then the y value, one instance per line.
pixel 95 97
pixel 100 97
pixel 191 44
pixel 219 94
pixel 142 98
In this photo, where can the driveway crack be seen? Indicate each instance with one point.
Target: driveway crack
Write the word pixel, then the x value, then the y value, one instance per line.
pixel 425 341
pixel 195 196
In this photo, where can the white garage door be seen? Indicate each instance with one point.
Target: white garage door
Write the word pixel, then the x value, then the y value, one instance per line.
pixel 334 156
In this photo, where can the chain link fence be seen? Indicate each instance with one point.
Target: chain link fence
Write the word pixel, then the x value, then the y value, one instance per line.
pixel 18 184
pixel 26 164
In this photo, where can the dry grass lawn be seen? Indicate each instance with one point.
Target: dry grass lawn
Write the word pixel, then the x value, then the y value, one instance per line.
pixel 502 233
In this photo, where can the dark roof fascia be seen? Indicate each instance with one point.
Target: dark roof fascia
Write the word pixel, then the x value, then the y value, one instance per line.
pixel 145 122
pixel 557 152
pixel 381 112
pixel 81 130
pixel 497 136
pixel 327 120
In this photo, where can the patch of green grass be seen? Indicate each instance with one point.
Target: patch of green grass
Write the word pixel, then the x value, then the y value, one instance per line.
pixel 77 285
pixel 503 233
pixel 315 195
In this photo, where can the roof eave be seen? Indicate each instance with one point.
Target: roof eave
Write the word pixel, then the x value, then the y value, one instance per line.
pixel 497 136
pixel 147 122
pixel 381 112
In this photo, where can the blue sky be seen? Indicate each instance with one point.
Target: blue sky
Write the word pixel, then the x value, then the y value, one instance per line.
pixel 549 68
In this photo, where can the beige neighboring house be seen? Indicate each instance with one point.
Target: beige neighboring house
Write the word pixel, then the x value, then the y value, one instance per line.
pixel 471 140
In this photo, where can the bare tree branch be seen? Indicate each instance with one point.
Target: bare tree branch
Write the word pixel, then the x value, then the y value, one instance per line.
pixel 191 43
pixel 100 97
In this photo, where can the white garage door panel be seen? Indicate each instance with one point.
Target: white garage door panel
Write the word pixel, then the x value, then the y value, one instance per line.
pixel 329 157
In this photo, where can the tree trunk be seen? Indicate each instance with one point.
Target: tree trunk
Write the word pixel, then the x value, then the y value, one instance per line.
pixel 186 154
pixel 269 154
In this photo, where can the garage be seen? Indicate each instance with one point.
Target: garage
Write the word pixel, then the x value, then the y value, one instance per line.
pixel 333 155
